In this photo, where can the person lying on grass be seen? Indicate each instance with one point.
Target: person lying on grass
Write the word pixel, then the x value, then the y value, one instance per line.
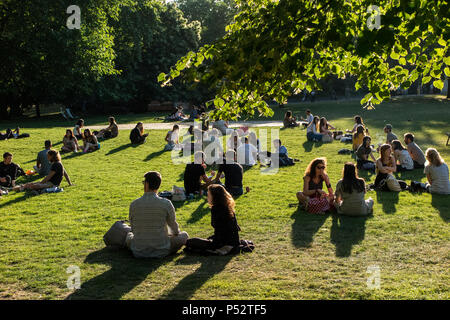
pixel 223 220
pixel 315 176
pixel 54 178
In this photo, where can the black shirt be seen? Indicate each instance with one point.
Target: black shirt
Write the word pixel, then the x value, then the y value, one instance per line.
pixel 226 229
pixel 362 150
pixel 135 134
pixel 192 176
pixel 59 173
pixel 13 170
pixel 233 174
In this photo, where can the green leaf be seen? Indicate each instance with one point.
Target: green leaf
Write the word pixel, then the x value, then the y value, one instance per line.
pixel 447 71
pixel 438 84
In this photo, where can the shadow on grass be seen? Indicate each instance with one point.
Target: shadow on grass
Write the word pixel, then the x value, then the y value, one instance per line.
pixel 388 200
pixel 305 226
pixel 122 147
pixel 442 204
pixel 346 232
pixel 210 266
pixel 199 213
pixel 154 155
pixel 25 196
pixel 125 274
pixel 308 145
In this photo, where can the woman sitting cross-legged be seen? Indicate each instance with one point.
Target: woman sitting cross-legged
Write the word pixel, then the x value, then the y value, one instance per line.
pixel 54 178
pixel 70 143
pixel 349 195
pixel 223 220
pixel 312 133
pixel 290 121
pixel 315 176
pixel 437 173
pixel 172 138
pixel 362 155
pixel 90 141
pixel 385 166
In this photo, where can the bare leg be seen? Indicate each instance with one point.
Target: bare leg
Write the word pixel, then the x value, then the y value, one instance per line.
pixel 302 198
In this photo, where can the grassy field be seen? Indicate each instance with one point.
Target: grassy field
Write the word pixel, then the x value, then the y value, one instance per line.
pixel 297 256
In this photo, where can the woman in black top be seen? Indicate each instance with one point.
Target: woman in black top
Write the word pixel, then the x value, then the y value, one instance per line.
pixel 315 176
pixel 223 220
pixel 54 178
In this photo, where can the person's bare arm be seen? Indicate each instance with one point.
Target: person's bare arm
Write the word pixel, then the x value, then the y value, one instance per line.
pixel 328 184
pixel 67 178
pixel 205 178
pixel 429 178
pixel 306 190
pixel 47 178
pixel 373 158
pixel 167 137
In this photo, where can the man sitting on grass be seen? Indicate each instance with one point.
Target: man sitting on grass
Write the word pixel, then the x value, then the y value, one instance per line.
pixel 154 230
pixel 9 171
pixel 43 166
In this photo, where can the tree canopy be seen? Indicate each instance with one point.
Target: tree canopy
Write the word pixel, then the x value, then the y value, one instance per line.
pixel 275 48
pixel 114 58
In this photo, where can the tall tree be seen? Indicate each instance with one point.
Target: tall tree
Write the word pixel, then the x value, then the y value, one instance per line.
pixel 213 15
pixel 279 47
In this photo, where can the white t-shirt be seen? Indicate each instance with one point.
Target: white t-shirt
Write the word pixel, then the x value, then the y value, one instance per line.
pixel 230 143
pixel 310 118
pixel 245 152
pixel 311 128
pixel 173 136
pixel 405 159
pixel 439 178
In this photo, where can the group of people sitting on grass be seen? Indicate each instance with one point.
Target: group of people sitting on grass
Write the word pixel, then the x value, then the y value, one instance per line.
pixel 90 138
pixel 155 232
pixel 48 164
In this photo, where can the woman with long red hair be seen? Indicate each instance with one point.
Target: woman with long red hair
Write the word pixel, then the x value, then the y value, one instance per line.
pixel 223 220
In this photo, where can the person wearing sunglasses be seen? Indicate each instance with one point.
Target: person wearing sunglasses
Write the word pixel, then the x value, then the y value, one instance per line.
pixel 315 176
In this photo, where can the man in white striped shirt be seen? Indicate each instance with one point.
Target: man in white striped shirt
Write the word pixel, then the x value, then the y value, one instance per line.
pixel 154 230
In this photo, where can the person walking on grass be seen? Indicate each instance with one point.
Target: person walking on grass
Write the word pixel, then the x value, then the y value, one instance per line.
pixel 155 232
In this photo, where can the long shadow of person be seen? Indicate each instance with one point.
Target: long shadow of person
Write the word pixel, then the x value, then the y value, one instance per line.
pixel 154 155
pixel 346 232
pixel 308 145
pixel 442 204
pixel 199 213
pixel 305 226
pixel 125 274
pixel 210 266
pixel 123 147
pixel 388 200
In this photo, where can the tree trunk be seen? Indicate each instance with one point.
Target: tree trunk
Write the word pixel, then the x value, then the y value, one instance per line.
pixel 38 110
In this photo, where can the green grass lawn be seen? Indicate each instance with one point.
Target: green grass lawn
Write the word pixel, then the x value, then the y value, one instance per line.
pixel 297 256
